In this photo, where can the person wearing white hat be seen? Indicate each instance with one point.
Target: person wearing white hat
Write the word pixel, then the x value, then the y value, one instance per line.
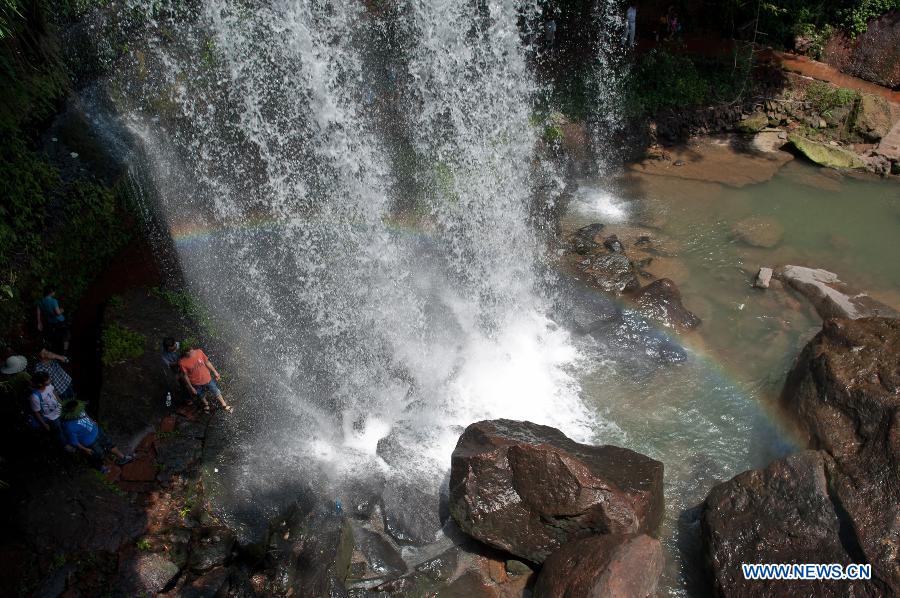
pixel 14 364
pixel 16 382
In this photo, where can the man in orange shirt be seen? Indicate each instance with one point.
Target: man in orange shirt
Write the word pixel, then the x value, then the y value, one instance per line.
pixel 197 371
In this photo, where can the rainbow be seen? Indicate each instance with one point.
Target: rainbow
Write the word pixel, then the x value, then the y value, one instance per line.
pixel 187 235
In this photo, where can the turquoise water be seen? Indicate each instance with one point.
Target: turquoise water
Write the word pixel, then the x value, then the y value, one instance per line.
pixel 716 414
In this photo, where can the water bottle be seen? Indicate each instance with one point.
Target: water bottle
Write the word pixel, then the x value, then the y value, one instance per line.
pixel 168 399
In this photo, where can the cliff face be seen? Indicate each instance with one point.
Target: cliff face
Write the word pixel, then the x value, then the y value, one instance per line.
pixel 873 56
pixel 64 212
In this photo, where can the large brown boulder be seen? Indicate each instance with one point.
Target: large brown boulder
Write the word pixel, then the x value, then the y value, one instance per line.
pixel 782 514
pixel 873 119
pixel 845 393
pixel 601 566
pixel 528 489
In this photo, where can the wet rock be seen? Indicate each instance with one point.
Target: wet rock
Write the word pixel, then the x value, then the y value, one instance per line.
pixel 179 452
pixel 845 392
pixel 873 119
pixel 661 301
pixel 381 556
pixel 758 231
pixel 426 578
pixel 312 554
pixel 210 585
pixel 583 241
pixel 613 273
pixel 212 549
pixel 831 297
pixel 763 278
pixel 146 573
pixel 754 123
pixel 825 155
pixel 600 566
pixel 514 567
pixel 613 244
pixel 782 514
pixel 411 513
pixel 469 585
pixel 528 489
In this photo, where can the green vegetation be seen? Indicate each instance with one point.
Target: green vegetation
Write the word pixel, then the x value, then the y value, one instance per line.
pixel 780 20
pixel 825 98
pixel 191 309
pixel 53 228
pixel 662 80
pixel 121 344
pixel 143 544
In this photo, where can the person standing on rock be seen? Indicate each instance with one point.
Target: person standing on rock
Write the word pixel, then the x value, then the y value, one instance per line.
pixel 51 321
pixel 45 407
pixel 48 362
pixel 84 434
pixel 198 371
pixel 630 23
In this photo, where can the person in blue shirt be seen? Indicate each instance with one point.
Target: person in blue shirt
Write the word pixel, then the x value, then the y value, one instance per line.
pixel 51 321
pixel 84 434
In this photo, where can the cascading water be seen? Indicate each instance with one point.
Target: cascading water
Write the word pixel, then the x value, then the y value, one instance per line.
pixel 369 326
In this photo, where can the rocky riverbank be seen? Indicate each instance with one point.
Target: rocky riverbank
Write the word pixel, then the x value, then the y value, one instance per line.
pixel 835 503
pixel 829 125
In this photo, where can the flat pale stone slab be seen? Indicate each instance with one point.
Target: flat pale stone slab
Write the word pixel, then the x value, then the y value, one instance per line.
pixel 831 297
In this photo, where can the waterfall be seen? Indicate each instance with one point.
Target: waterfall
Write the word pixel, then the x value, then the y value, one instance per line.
pixel 348 186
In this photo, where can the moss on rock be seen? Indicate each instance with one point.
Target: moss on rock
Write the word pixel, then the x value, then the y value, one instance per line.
pixel 826 155
pixel 753 124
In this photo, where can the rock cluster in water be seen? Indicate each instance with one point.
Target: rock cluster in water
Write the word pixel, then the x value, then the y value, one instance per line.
pixel 607 266
pixel 835 504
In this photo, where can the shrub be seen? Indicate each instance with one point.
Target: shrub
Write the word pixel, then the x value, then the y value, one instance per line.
pixel 121 344
pixel 825 97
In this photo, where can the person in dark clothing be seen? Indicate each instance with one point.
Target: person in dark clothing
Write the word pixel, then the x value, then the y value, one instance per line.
pixel 51 321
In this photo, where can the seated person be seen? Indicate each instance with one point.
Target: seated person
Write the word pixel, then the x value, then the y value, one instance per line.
pixel 48 361
pixel 45 407
pixel 83 434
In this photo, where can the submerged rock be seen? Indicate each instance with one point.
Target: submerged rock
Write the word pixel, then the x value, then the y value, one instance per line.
pixel 831 297
pixel 826 155
pixel 528 489
pixel 613 244
pixel 613 273
pixel 661 301
pixel 845 393
pixel 600 566
pixel 782 514
pixel 758 231
pixel 583 241
pixel 763 278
